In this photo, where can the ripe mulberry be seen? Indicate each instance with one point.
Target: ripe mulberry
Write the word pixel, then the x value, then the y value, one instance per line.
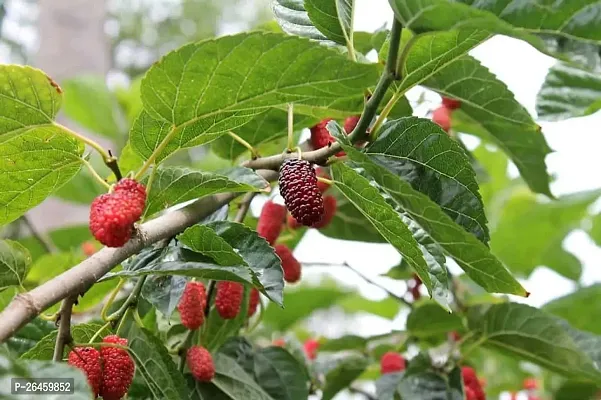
pixel 271 221
pixel 253 302
pixel 470 380
pixel 442 117
pixel 290 265
pixel 89 361
pixel 192 305
pixel 392 362
pixel 118 370
pixel 112 215
pixel 320 136
pixel 329 205
pixel 451 104
pixel 200 362
pixel 311 346
pixel 298 187
pixel 228 299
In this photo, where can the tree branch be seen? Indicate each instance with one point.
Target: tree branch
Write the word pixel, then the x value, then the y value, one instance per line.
pixel 26 306
pixel 371 281
pixel 244 207
pixel 64 328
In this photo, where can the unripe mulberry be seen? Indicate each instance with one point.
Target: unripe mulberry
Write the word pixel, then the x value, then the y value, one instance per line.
pixel 279 343
pixel 290 265
pixel 118 370
pixel 311 346
pixel 442 117
pixel 228 299
pixel 320 136
pixel 530 384
pixel 298 187
pixel 451 104
pixel 350 123
pixel 200 362
pixel 192 305
pixel 329 206
pixel 271 221
pixel 88 360
pixel 392 362
pixel 88 248
pixel 112 215
pixel 253 302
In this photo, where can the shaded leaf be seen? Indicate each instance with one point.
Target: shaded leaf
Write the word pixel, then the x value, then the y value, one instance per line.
pixel 14 263
pixel 218 330
pixel 280 374
pixel 347 342
pixel 333 18
pixel 164 292
pixel 429 319
pixel 580 308
pixel 28 336
pixel 65 239
pixel 387 308
pixel 347 369
pixel 174 185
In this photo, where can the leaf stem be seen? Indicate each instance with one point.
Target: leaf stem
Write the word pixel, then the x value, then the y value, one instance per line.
pixel 151 179
pixel 111 299
pixel 372 282
pixel 63 336
pixel 95 174
pixel 290 126
pixel 99 331
pixel 325 180
pixel 129 302
pixel 155 153
pixel 244 143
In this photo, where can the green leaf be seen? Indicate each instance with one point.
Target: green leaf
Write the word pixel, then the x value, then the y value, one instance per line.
pixel 218 330
pixel 529 233
pixel 204 240
pixel 10 369
pixel 501 16
pixel 579 308
pixel 300 303
pixel 355 303
pixel 347 342
pixel 333 18
pixel 571 390
pixel 28 336
pixel 164 292
pixel 155 364
pixel 14 263
pixel 382 216
pixel 532 335
pixel 82 333
pixel 223 83
pixel 595 229
pixel 292 16
pixel 429 319
pixel 347 369
pixel 90 103
pixel 65 239
pixel 490 111
pixel 34 162
pixel 173 185
pixel 280 374
pixel 471 254
pixel 231 382
pixel 82 189
pixel 420 152
pixel 568 92
pixel 258 255
pixel 262 129
pixel 129 160
pixel 50 265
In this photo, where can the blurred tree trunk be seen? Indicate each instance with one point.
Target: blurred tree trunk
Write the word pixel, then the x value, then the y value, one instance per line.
pixel 72 42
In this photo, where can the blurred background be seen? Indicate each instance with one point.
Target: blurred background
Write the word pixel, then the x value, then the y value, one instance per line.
pixel 98 50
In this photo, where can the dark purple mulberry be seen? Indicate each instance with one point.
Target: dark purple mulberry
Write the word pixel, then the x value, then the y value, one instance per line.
pixel 298 187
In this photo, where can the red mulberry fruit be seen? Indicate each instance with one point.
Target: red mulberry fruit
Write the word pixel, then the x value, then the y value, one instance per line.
pixel 271 221
pixel 290 265
pixel 118 370
pixel 89 361
pixel 200 362
pixel 442 117
pixel 298 187
pixel 392 362
pixel 192 305
pixel 329 205
pixel 451 104
pixel 228 299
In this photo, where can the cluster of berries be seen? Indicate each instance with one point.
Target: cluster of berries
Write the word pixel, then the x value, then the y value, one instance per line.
pixel 442 115
pixel 112 215
pixel 109 370
pixel 472 385
pixel 530 385
pixel 391 362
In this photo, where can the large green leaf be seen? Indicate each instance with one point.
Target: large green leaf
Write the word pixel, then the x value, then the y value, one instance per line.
pixel 595 229
pixel 280 374
pixel 173 185
pixel 489 110
pixel 223 83
pixel 65 239
pixel 90 103
pixel 164 292
pixel 530 233
pixel 28 336
pixel 333 18
pixel 202 239
pixel 429 319
pixel 568 92
pixel 345 371
pixel 36 157
pixel 574 389
pixel 385 219
pixel 50 265
pixel 14 263
pixel 533 335
pixel 294 19
pixel 155 364
pixel 566 17
pixel 471 254
pixel 420 152
pixel 580 308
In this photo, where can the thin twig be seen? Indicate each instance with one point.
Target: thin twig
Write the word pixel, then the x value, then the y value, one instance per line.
pixel 244 207
pixel 371 281
pixel 63 336
pixel 42 238
pixel 367 395
pixel 209 295
pixel 130 302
